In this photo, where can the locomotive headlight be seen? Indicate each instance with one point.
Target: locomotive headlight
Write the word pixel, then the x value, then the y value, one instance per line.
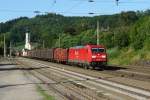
pixel 93 56
pixel 103 56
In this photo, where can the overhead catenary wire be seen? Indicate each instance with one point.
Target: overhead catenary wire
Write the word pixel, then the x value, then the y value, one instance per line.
pixel 46 12
pixel 116 2
pixel 52 5
pixel 70 10
pixel 79 2
pixel 112 1
pixel 16 11
pixel 72 7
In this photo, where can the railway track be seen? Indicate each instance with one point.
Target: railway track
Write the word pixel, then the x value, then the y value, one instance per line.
pixel 137 70
pixel 73 91
pixel 129 91
pixel 131 73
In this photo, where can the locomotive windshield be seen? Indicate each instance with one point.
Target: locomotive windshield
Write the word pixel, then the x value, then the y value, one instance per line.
pixel 98 50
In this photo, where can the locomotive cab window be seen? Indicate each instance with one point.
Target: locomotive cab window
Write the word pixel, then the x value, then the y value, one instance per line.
pixel 98 50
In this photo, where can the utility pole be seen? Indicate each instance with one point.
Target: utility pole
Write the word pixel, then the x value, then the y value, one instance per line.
pixel 10 49
pixel 43 44
pixel 59 41
pixel 4 47
pixel 97 32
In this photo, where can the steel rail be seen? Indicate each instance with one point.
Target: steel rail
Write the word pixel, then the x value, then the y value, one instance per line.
pixel 123 89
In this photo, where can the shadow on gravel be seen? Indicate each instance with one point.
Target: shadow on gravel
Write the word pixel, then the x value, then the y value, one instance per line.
pixel 15 68
pixel 6 64
pixel 15 85
pixel 110 68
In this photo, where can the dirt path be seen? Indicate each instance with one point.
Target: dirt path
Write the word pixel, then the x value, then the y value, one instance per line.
pixel 14 85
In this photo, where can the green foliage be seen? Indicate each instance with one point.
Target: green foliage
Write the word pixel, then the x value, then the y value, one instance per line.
pixel 121 40
pixel 48 27
pixel 1 40
pixel 107 39
pixel 113 53
pixel 127 18
pixel 140 33
pixel 125 30
pixel 147 44
pixel 127 56
pixel 87 37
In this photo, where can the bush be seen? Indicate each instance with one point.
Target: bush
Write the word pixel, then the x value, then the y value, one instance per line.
pixel 121 40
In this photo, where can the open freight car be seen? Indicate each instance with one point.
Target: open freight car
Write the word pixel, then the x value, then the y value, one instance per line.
pixel 89 55
pixel 45 54
pixel 61 55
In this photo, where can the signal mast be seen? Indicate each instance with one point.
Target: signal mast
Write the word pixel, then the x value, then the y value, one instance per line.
pixel 117 2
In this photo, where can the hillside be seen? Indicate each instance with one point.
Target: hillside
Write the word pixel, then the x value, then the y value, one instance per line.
pixel 126 35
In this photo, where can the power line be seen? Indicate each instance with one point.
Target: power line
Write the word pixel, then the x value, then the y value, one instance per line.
pixel 10 10
pixel 44 12
pixel 117 2
pixel 76 5
pixel 53 4
pixel 70 10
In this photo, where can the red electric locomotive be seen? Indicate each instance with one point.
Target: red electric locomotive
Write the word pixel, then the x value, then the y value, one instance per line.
pixel 89 55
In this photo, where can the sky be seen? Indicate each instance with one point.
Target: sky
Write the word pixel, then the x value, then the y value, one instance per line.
pixel 11 9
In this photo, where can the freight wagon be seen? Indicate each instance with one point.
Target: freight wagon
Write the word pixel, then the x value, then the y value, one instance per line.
pixel 61 55
pixel 45 54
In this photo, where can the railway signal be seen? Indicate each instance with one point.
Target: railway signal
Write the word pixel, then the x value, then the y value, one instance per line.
pixel 37 12
pixel 117 2
pixel 91 1
pixel 91 13
pixel 54 1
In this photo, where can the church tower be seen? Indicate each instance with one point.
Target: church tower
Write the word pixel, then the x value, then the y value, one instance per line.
pixel 27 42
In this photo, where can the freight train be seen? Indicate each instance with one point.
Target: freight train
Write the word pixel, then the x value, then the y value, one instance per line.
pixel 86 56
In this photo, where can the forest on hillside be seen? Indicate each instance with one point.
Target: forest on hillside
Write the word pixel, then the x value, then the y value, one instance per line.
pixel 129 30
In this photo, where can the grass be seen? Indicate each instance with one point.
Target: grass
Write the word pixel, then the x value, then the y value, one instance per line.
pixel 127 56
pixel 44 94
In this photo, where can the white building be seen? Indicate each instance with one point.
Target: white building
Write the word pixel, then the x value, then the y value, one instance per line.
pixel 27 45
pixel 24 52
pixel 27 42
